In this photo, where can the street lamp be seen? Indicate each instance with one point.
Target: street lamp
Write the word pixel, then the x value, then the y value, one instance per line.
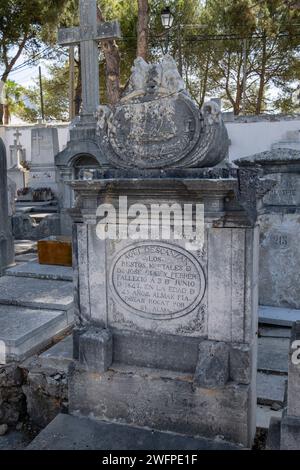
pixel 167 20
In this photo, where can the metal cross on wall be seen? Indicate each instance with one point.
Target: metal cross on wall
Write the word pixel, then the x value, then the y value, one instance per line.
pixel 88 34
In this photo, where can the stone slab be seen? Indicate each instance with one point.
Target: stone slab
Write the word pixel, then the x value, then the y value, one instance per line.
pixel 264 415
pixel 273 355
pixel 25 246
pixel 67 432
pixel 13 441
pixel 25 331
pixel 273 439
pixel 26 257
pixel 163 400
pixel 270 388
pixel 274 332
pixel 33 269
pixel 42 293
pixel 58 356
pixel 278 316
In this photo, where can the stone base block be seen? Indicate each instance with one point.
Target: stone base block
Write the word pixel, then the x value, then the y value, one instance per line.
pixel 163 400
pixel 96 349
pixel 290 433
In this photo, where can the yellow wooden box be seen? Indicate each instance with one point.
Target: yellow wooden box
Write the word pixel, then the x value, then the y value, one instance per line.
pixel 55 250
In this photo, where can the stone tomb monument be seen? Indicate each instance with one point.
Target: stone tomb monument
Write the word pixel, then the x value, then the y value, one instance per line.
pixel 44 147
pixel 279 274
pixel 16 172
pixel 166 336
pixel 6 239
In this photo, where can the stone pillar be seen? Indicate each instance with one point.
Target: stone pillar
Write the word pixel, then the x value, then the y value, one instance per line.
pixel 6 238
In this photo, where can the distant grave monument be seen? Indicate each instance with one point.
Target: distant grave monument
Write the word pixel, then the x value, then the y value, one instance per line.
pixel 16 171
pixel 279 274
pixel 44 147
pixel 6 239
pixel 166 333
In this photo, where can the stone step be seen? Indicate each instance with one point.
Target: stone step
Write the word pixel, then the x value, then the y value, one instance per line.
pixel 26 331
pixel 274 331
pixel 278 316
pixel 264 415
pixel 270 388
pixel 68 432
pixel 273 355
pixel 58 356
pixel 33 269
pixel 37 293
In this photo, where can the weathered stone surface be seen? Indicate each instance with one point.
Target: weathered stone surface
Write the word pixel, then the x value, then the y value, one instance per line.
pixel 242 360
pixel 264 416
pixel 293 393
pixel 278 316
pixel 96 349
pixel 59 356
pixel 46 392
pixel 44 145
pixel 6 239
pixel 273 439
pixel 156 124
pixel 273 354
pixel 34 270
pixel 12 399
pixel 212 369
pixel 279 221
pixel 270 388
pixel 25 331
pixel 290 432
pixel 67 432
pixel 42 293
pixel 24 226
pixel 158 399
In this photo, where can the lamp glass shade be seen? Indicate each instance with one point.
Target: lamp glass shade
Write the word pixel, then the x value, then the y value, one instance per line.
pixel 167 18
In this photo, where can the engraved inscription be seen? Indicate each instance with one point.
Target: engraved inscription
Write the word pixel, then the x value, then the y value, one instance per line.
pixel 280 241
pixel 157 280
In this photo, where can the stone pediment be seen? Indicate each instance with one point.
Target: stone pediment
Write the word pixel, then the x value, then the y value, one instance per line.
pixel 156 124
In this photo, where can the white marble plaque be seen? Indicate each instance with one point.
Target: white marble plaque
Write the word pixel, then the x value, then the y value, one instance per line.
pixel 158 281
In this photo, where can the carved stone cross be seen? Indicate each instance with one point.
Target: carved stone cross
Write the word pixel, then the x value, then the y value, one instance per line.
pixel 88 34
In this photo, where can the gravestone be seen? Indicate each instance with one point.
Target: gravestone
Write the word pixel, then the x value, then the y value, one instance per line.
pixel 166 332
pixel 44 147
pixel 279 274
pixel 16 171
pixel 6 239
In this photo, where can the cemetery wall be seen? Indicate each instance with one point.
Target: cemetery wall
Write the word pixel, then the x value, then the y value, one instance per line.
pixel 248 134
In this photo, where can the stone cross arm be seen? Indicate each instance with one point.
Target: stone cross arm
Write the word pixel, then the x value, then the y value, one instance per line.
pixel 106 30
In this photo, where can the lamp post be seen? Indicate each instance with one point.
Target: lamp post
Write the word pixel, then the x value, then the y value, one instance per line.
pixel 167 20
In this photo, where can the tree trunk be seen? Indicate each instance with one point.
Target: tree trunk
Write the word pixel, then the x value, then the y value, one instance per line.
pixel 261 89
pixel 112 60
pixel 143 29
pixel 6 115
pixel 78 89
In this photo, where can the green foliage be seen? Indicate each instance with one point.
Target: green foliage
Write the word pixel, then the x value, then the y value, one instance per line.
pixel 211 38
